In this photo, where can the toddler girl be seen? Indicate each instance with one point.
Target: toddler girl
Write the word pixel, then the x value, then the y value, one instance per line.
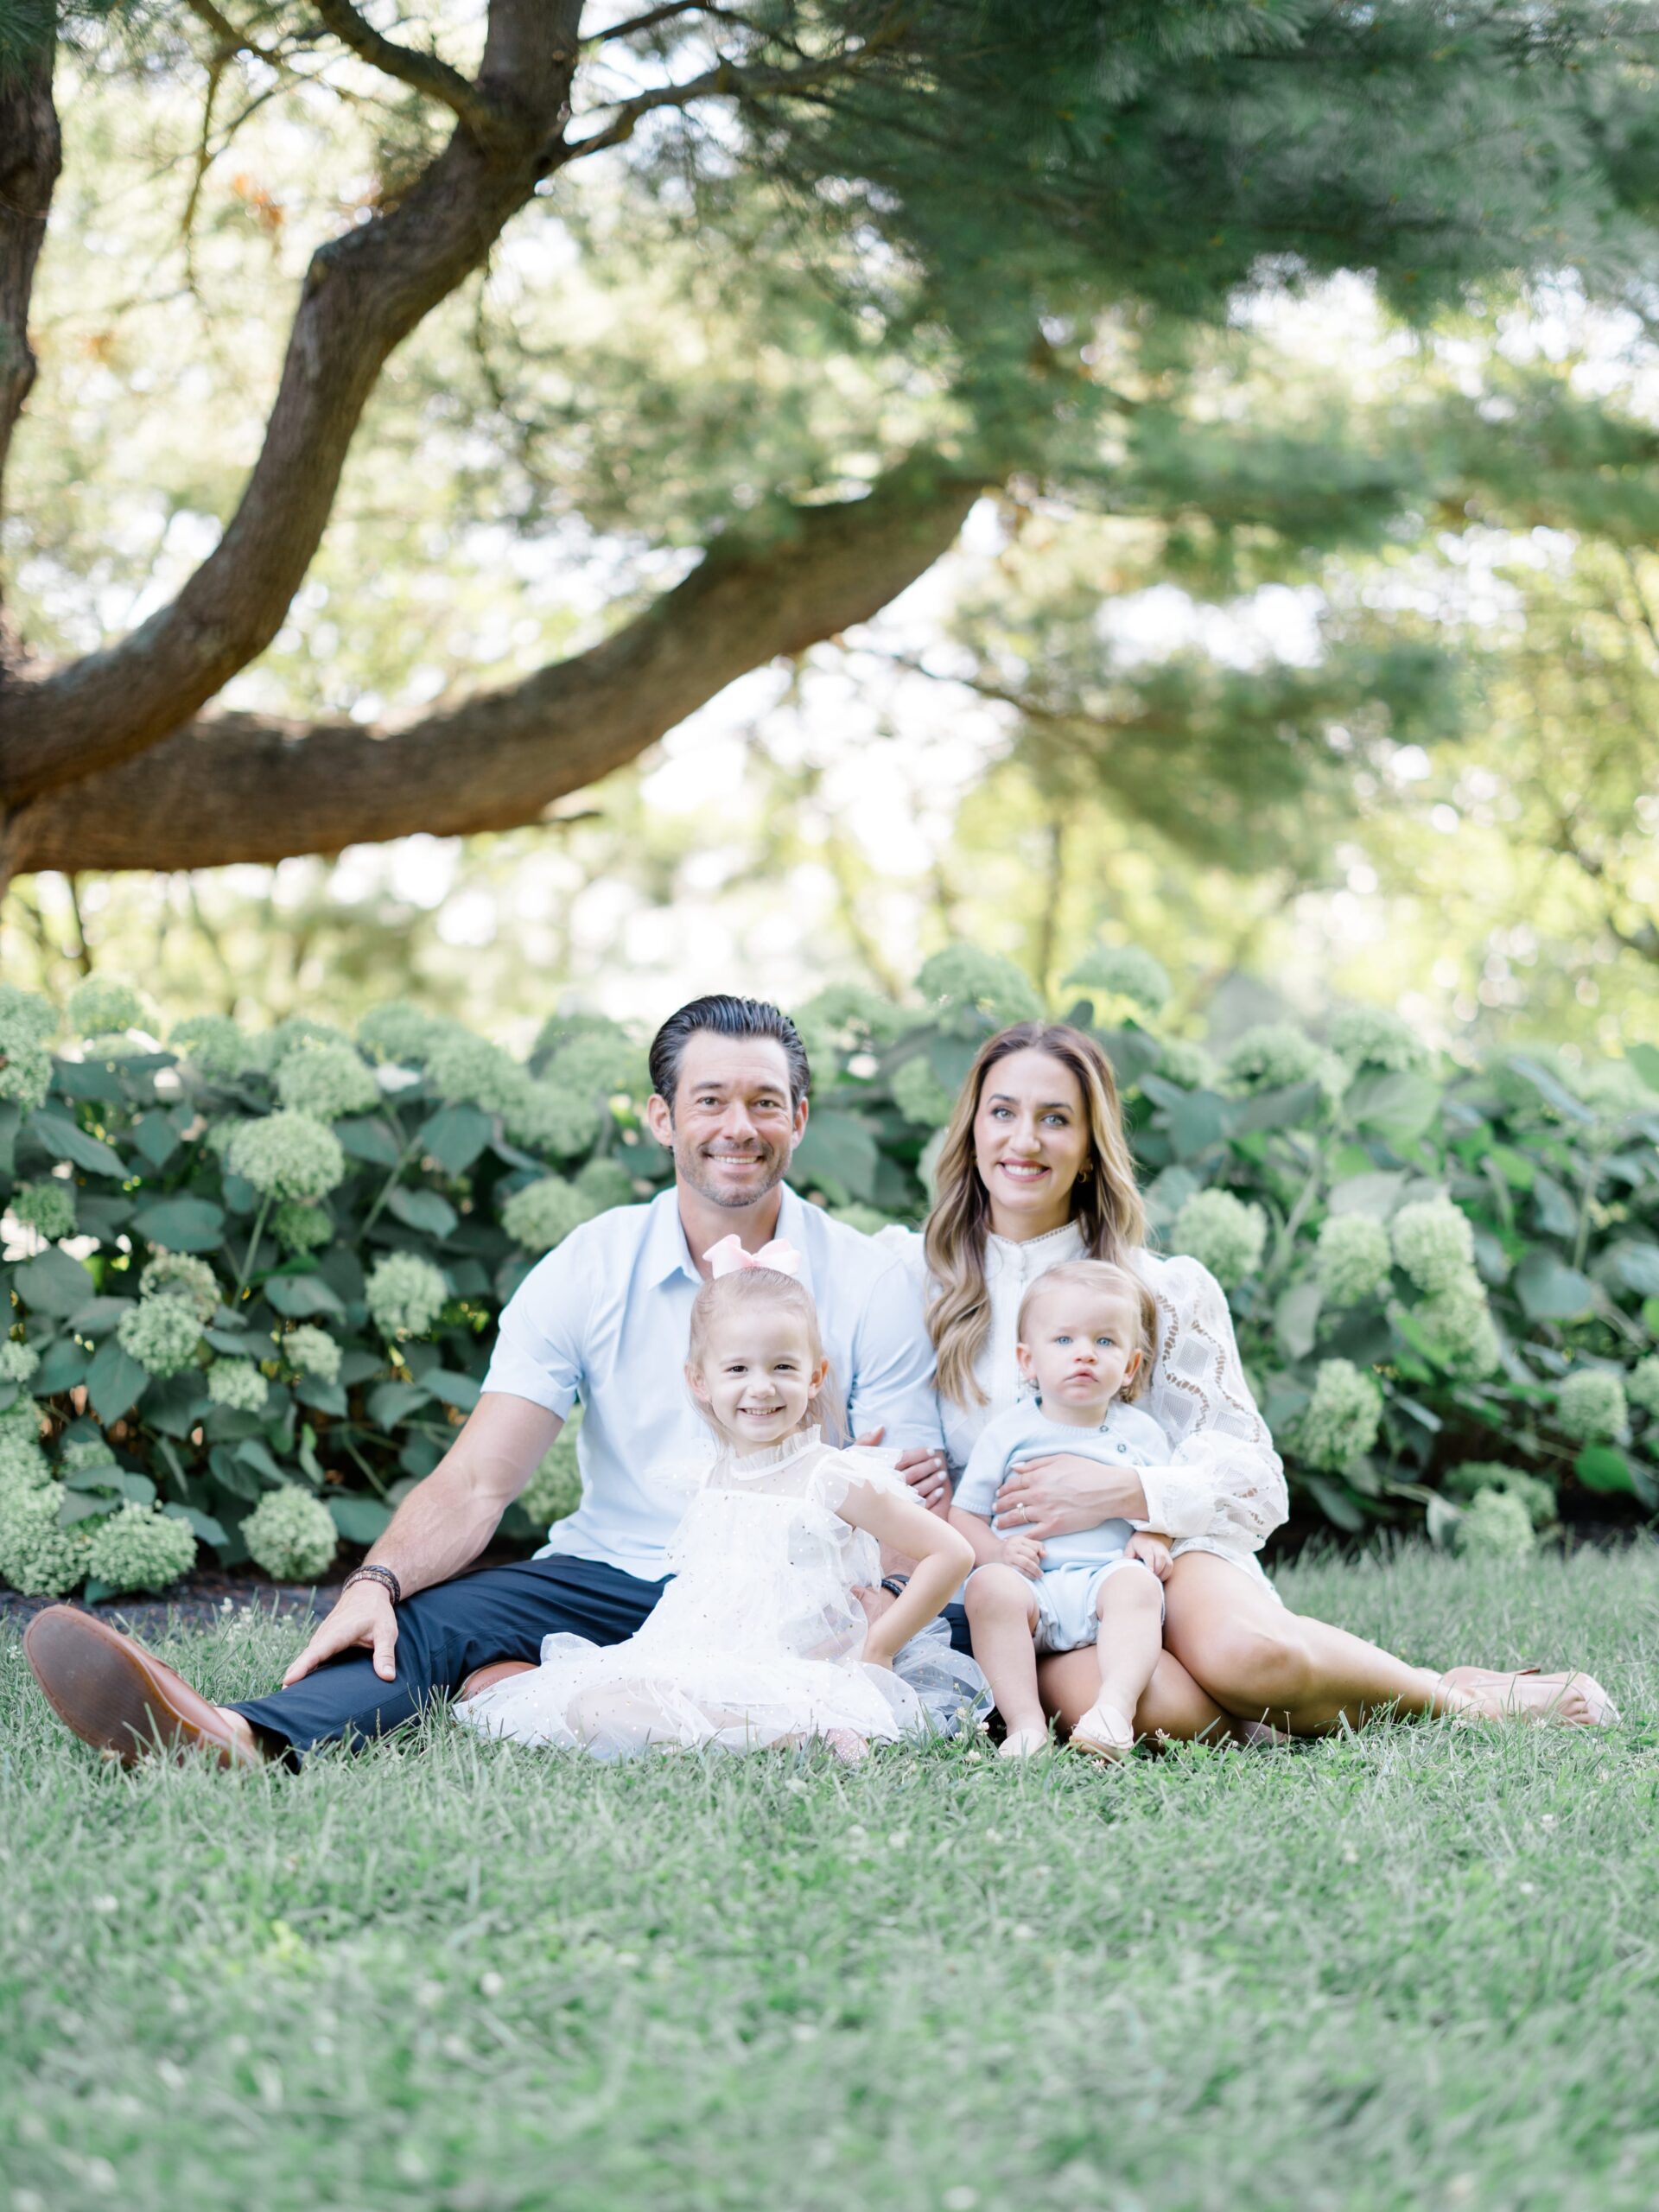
pixel 1086 1331
pixel 760 1638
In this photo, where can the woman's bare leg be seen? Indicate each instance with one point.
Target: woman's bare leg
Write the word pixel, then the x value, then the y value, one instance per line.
pixel 1172 1706
pixel 1262 1662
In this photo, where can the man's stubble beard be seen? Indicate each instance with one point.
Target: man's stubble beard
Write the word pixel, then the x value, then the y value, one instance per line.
pixel 689 1168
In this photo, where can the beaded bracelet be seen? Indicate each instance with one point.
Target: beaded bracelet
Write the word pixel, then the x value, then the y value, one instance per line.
pixel 895 1583
pixel 383 1575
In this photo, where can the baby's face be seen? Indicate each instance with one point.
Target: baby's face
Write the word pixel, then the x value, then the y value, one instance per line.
pixel 757 1374
pixel 1081 1347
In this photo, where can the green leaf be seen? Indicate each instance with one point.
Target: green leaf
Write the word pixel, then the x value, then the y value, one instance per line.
pixel 105 1476
pixel 1277 1109
pixel 235 1343
pixel 1600 1467
pixel 359 1520
pixel 67 1139
pixel 63 1364
pixel 390 1403
pixel 52 1283
pixel 455 1137
pixel 1557 1215
pixel 325 1397
pixel 1636 1264
pixel 840 1148
pixel 74 1506
pixel 11 1117
pixel 1442 1517
pixel 1375 1192
pixel 210 1531
pixel 1554 1093
pixel 1335 1503
pixel 230 1475
pixel 1295 1318
pixel 86 1079
pixel 458 1390
pixel 423 1210
pixel 182 1224
pixel 114 1381
pixel 1644 1058
pixel 252 1454
pixel 156 1138
pixel 1550 1291
pixel 295 1296
pixel 1198 1119
pixel 98 1316
pixel 1398 1106
pixel 370 1140
pixel 951 1059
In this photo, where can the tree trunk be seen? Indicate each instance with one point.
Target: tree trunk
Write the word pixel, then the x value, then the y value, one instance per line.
pixel 241 787
pixel 30 156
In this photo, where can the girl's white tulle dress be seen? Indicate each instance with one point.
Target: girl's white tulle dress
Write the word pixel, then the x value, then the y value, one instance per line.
pixel 757 1638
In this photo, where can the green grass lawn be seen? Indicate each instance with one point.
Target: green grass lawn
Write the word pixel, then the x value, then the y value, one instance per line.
pixel 1416 1967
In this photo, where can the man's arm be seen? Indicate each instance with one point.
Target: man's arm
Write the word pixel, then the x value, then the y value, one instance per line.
pixel 441 1527
pixel 890 1391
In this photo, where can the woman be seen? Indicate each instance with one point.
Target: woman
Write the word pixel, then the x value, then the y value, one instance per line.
pixel 1035 1169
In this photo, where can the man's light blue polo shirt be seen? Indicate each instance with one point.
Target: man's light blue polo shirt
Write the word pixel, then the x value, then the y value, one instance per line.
pixel 606 1318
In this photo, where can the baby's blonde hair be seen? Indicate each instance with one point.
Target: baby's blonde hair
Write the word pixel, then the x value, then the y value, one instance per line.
pixel 1101 1275
pixel 766 1286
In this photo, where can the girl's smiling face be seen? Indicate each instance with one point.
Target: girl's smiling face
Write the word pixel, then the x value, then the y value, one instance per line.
pixel 757 1374
pixel 1031 1139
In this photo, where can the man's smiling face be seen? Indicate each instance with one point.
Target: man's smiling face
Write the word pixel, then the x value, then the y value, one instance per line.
pixel 731 1127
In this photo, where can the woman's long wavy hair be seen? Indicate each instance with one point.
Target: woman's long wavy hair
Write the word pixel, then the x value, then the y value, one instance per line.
pixel 1105 1198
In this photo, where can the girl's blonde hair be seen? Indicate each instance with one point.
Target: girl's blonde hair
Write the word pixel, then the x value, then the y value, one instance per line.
pixel 766 1286
pixel 1101 1275
pixel 1105 1200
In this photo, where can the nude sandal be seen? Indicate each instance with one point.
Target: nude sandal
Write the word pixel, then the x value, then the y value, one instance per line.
pixel 1574 1699
pixel 1104 1733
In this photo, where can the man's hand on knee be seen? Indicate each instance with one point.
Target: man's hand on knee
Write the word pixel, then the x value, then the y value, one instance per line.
pixel 364 1616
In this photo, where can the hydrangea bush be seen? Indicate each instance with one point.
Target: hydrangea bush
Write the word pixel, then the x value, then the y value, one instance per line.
pixel 249 1272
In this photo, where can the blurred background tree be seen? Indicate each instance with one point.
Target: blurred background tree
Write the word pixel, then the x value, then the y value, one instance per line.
pixel 1290 362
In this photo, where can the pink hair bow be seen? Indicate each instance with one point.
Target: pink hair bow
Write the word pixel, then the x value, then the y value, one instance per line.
pixel 729 1257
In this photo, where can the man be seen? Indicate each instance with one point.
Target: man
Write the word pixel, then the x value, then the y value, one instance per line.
pixel 605 1319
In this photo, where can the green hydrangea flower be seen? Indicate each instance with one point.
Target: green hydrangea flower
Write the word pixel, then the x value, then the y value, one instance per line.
pixel 301 1228
pixel 48 1207
pixel 600 1066
pixel 1470 1476
pixel 847 1015
pixel 1590 1405
pixel 1642 1386
pixel 1615 1089
pixel 24 1465
pixel 216 1045
pixel 1275 1054
pixel 291 1534
pixel 1189 1064
pixel 919 1095
pixel 36 1555
pixel 1495 1526
pixel 1434 1243
pixel 1458 1322
pixel 238 1385
pixel 1223 1234
pixel 1123 971
pixel 962 980
pixel 294 1033
pixel 402 1033
pixel 313 1351
pixel 101 1003
pixel 83 1452
pixel 287 1155
pixel 328 1081
pixel 554 1491
pixel 161 1333
pixel 406 1294
pixel 1372 1037
pixel 550 1120
pixel 464 1070
pixel 139 1548
pixel 543 1214
pixel 1352 1260
pixel 27 1025
pixel 21 1417
pixel 18 1361
pixel 607 1183
pixel 182 1274
pixel 1339 1423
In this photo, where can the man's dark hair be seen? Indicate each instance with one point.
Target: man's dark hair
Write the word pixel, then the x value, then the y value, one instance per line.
pixel 724 1016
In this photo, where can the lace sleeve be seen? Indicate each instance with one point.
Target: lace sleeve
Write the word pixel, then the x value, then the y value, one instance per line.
pixel 1223 1478
pixel 858 1467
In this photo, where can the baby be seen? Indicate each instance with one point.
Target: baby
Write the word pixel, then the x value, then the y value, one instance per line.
pixel 1086 1329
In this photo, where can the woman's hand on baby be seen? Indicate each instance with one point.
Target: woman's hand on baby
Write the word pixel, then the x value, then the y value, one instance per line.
pixel 1059 1492
pixel 1151 1551
pixel 1024 1556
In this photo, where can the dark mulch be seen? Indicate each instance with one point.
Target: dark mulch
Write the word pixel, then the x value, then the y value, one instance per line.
pixel 200 1598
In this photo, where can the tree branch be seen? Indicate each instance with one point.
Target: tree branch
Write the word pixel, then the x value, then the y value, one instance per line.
pixel 363 294
pixel 30 155
pixel 239 787
pixel 422 72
